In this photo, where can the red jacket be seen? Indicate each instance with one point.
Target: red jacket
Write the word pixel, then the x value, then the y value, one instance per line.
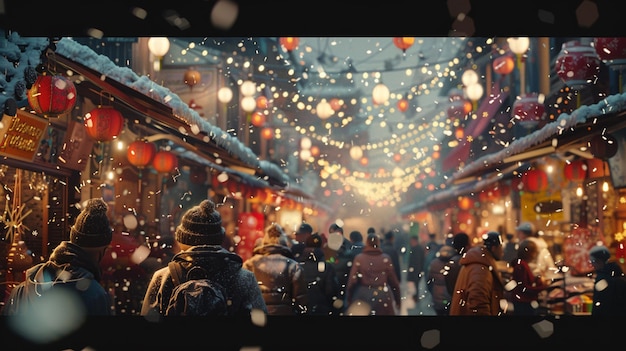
pixel 528 285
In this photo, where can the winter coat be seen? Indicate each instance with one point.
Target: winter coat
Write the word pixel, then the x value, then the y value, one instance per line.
pixel 391 250
pixel 321 282
pixel 609 291
pixel 280 278
pixel 454 266
pixel 479 288
pixel 70 270
pixel 342 262
pixel 373 281
pixel 240 286
pixel 543 265
pixel 415 264
pixel 528 285
pixel 436 279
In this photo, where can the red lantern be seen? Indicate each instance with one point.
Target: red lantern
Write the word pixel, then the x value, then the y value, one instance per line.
pixel 575 171
pixel 535 181
pixel 459 106
pixel 104 123
pixel 595 168
pixel 403 105
pixel 465 202
pixel 577 64
pixel 403 43
pixel 612 51
pixel 52 95
pixel 257 119
pixel 335 104
pixel 164 161
pixel 603 146
pixel 192 77
pixel 262 102
pixel 289 43
pixel 528 109
pixel 140 153
pixel 267 133
pixel 503 65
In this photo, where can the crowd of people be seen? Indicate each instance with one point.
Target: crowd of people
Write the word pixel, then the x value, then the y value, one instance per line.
pixel 310 272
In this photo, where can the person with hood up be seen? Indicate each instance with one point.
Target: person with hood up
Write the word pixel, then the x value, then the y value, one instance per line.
pixel 321 279
pixel 200 235
pixel 436 282
pixel 280 276
pixel 479 288
pixel 372 283
pixel 71 276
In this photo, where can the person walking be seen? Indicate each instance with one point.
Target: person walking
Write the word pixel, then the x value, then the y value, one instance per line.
pixel 525 292
pixel 609 288
pixel 281 278
pixel 304 231
pixel 373 284
pixel 388 247
pixel 200 235
pixel 71 276
pixel 461 244
pixel 341 260
pixel 356 238
pixel 430 250
pixel 479 288
pixel 436 282
pixel 321 279
pixel 415 265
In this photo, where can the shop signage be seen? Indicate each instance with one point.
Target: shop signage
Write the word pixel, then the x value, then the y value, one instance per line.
pixel 21 134
pixel 76 147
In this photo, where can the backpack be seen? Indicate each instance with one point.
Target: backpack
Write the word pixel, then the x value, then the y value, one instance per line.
pixel 196 294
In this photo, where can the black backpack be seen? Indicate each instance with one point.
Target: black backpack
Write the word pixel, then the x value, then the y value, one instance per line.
pixel 195 294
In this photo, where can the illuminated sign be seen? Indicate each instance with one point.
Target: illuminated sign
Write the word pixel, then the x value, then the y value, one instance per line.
pixel 21 134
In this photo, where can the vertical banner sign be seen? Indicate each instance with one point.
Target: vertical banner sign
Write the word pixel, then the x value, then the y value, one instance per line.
pixel 577 246
pixel 251 226
pixel 20 135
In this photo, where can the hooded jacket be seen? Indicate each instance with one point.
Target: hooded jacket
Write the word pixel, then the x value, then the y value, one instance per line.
pixel 436 283
pixel 479 288
pixel 70 270
pixel 280 278
pixel 240 285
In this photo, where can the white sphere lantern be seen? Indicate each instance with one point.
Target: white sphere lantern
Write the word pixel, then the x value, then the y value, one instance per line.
pixel 324 110
pixel 305 154
pixel 469 77
pixel 356 153
pixel 248 103
pixel 518 45
pixel 380 94
pixel 248 88
pixel 158 47
pixel 225 95
pixel 305 143
pixel 474 91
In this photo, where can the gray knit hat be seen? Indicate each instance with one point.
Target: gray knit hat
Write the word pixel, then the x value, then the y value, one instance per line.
pixel 92 227
pixel 201 225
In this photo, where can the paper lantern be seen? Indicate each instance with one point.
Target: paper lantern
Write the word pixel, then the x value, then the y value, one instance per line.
pixel 164 161
pixel 403 105
pixel 140 153
pixel 103 123
pixel 257 119
pixel 192 77
pixel 262 102
pixel 380 94
pixel 612 51
pixel 267 133
pixel 465 202
pixel 603 146
pixel 403 43
pixel 575 171
pixel 528 109
pixel 52 95
pixel 535 181
pixel 503 65
pixel 595 168
pixel 577 64
pixel 289 43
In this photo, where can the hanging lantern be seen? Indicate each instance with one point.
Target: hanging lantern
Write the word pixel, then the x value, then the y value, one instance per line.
pixel 528 109
pixel 267 133
pixel 503 65
pixel 164 161
pixel 595 168
pixel 575 171
pixel 52 95
pixel 140 153
pixel 459 105
pixel 257 119
pixel 403 43
pixel 324 110
pixel 262 102
pixel 289 43
pixel 224 95
pixel 380 94
pixel 535 181
pixel 192 77
pixel 465 202
pixel 577 64
pixel 248 103
pixel 603 146
pixel 336 104
pixel 403 104
pixel 104 123
pixel 612 51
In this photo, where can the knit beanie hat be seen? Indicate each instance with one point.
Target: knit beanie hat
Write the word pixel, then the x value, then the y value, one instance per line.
pixel 92 228
pixel 272 234
pixel 599 253
pixel 201 225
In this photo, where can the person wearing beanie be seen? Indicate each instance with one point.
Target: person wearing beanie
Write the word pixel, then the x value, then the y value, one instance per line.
pixel 323 296
pixel 461 243
pixel 200 235
pixel 479 289
pixel 302 234
pixel 279 275
pixel 609 288
pixel 70 279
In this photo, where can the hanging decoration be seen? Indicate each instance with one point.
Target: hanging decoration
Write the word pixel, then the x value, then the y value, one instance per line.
pixel 528 109
pixel 140 153
pixel 192 77
pixel 380 94
pixel 402 104
pixel 257 119
pixel 612 51
pixel 575 171
pixel 103 123
pixel 503 65
pixel 603 146
pixel 403 43
pixel 52 95
pixel 164 161
pixel 535 181
pixel 577 64
pixel 465 202
pixel 595 168
pixel 289 43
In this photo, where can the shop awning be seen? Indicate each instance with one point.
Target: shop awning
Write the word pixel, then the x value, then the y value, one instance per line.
pixel 163 112
pixel 567 134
